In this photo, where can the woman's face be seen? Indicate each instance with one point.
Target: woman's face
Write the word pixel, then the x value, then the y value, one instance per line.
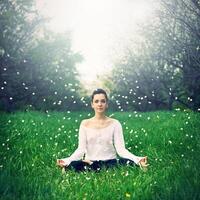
pixel 99 103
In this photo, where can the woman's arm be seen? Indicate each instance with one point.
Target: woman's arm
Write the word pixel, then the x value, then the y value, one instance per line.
pixel 79 152
pixel 120 146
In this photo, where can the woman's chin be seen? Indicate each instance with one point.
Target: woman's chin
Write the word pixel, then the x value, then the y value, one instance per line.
pixel 100 110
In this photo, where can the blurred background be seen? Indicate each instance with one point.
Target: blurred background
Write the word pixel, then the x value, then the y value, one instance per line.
pixel 144 53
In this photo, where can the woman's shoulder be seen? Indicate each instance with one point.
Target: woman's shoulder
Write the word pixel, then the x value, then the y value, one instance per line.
pixel 112 120
pixel 90 122
pixel 85 122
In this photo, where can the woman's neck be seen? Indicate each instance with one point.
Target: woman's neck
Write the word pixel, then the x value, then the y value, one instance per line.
pixel 99 116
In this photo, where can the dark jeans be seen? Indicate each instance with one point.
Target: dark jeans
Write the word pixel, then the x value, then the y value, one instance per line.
pixel 97 165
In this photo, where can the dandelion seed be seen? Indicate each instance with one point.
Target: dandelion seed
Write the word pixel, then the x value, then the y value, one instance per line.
pixel 170 141
pixel 127 195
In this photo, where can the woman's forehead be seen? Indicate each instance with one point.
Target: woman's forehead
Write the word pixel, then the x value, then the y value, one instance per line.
pixel 99 96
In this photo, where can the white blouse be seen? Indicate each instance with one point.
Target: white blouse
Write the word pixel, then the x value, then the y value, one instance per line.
pixel 101 144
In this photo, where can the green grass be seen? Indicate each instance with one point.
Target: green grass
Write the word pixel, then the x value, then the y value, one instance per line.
pixel 31 142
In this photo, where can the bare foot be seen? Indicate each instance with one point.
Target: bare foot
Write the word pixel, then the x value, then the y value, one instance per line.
pixel 87 161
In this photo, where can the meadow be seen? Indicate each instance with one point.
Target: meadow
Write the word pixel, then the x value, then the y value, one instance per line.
pixel 30 143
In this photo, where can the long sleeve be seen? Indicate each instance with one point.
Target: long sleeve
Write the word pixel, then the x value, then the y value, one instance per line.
pixel 120 146
pixel 80 151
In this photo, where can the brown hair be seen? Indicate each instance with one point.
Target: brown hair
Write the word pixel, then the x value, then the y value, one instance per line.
pixel 99 91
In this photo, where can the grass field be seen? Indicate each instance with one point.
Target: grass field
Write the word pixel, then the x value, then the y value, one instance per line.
pixel 30 143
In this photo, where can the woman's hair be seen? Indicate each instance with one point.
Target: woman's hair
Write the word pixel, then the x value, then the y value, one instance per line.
pixel 99 91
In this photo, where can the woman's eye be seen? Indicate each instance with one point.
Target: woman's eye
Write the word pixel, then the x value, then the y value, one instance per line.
pixel 103 101
pixel 96 101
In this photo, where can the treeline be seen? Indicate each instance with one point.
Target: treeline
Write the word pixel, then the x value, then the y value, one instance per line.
pixel 37 67
pixel 164 72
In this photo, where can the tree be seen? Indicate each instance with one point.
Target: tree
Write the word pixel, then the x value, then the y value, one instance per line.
pixel 163 70
pixel 37 67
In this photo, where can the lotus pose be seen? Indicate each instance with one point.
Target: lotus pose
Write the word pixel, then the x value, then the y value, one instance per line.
pixel 100 141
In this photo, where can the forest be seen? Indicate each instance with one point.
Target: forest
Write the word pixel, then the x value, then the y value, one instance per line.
pixel 38 67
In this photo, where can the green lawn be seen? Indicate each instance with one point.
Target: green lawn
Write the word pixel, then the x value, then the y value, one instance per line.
pixel 30 143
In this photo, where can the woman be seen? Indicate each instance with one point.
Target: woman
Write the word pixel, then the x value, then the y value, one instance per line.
pixel 100 140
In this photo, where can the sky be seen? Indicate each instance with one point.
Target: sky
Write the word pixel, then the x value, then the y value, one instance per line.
pixel 100 29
